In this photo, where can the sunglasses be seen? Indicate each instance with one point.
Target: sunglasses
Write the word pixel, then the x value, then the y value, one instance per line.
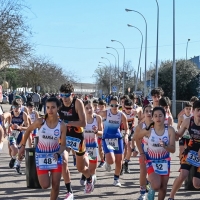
pixel 114 105
pixel 128 108
pixel 65 95
pixel 13 107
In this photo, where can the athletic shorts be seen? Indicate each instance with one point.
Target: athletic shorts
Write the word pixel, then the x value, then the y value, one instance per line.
pixel 120 149
pixel 187 166
pixel 82 147
pixel 183 141
pixel 45 171
pixel 13 140
pixel 151 170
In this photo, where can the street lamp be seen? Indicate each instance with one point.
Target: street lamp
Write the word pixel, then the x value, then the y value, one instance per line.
pixel 103 63
pixel 145 73
pixel 187 48
pixel 174 67
pixel 139 56
pixel 123 62
pixel 110 70
pixel 156 75
pixel 114 57
pixel 118 62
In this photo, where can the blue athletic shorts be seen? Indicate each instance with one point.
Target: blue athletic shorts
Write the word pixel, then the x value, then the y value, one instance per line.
pixel 120 149
pixel 13 140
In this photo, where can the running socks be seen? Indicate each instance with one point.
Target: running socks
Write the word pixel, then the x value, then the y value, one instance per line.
pixel 69 188
pixel 89 180
pixel 142 189
pixel 116 177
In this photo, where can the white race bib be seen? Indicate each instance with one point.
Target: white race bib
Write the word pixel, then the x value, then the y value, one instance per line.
pixel 73 143
pixel 46 161
pixel 160 167
pixel 112 144
pixel 193 158
pixel 92 152
pixel 15 133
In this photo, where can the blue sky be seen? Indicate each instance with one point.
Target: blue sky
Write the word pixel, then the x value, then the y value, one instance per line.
pixel 74 33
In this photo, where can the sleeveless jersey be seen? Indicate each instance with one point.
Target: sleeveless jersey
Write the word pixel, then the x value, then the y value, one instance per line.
pixel 17 120
pixel 130 120
pixel 144 140
pixel 89 135
pixel 112 125
pixel 48 139
pixel 194 131
pixel 32 116
pixel 155 150
pixel 69 114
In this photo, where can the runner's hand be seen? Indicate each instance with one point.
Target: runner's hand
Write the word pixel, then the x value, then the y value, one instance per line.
pixel 142 158
pixel 126 139
pixel 21 151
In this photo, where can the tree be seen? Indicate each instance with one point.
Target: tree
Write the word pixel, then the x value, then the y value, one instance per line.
pixel 186 79
pixel 14 32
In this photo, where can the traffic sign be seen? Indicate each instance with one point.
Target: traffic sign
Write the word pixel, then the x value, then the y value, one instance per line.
pixel 114 88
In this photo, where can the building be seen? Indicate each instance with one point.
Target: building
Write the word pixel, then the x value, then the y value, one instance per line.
pixel 196 60
pixel 85 88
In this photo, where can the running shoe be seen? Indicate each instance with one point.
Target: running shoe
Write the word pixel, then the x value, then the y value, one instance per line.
pixel 12 162
pixel 107 167
pixel 69 196
pixel 101 164
pixel 126 169
pixel 94 177
pixel 117 183
pixel 89 187
pixel 83 180
pixel 151 194
pixel 18 169
pixel 142 197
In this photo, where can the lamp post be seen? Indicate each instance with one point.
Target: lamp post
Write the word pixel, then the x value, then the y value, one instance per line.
pixel 114 57
pixel 174 67
pixel 187 48
pixel 145 70
pixel 118 63
pixel 156 75
pixel 139 56
pixel 110 70
pixel 123 62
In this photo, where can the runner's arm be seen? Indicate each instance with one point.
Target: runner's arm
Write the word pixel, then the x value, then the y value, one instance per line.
pixel 184 126
pixel 100 125
pixel 1 134
pixel 139 141
pixel 63 138
pixel 181 113
pixel 170 121
pixel 26 123
pixel 180 120
pixel 171 146
pixel 81 114
pixel 36 115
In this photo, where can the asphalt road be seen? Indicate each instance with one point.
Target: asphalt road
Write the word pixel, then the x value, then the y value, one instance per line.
pixel 13 186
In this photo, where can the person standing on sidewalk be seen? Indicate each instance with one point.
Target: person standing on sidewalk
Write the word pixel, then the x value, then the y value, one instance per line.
pixel 36 100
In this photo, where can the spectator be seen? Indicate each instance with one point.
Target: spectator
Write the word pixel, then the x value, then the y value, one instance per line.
pixel 29 98
pixel 24 99
pixel 10 98
pixel 46 96
pixel 36 100
pixel 145 102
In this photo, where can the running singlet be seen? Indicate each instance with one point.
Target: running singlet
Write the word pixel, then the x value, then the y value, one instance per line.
pixel 166 119
pixel 47 145
pixel 112 125
pixel 91 139
pixel 158 158
pixel 194 144
pixel 75 135
pixel 144 140
pixel 186 133
pixel 32 116
pixel 130 120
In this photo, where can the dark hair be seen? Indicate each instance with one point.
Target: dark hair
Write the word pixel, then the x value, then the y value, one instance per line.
pixel 15 103
pixel 95 101
pixel 114 98
pixel 148 105
pixel 55 100
pixel 165 101
pixel 132 96
pixel 30 104
pixel 86 102
pixel 124 97
pixel 188 104
pixel 128 102
pixel 196 104
pixel 67 88
pixel 159 108
pixel 157 91
pixel 193 99
pixel 102 102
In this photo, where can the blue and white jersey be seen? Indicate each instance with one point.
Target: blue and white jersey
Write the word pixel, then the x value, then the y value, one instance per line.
pixel 112 125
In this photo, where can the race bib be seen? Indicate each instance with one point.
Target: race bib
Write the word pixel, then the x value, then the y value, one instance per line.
pixel 112 144
pixel 92 153
pixel 160 167
pixel 72 143
pixel 193 158
pixel 15 133
pixel 47 161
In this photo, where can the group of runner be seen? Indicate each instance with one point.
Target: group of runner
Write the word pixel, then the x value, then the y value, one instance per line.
pixel 89 129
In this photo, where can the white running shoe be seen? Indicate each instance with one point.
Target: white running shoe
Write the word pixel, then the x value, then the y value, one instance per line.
pixel 142 197
pixel 107 167
pixel 83 180
pixel 69 196
pixel 117 183
pixel 89 187
pixel 94 177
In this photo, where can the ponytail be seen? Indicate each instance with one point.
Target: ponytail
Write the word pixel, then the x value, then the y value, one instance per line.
pixel 44 119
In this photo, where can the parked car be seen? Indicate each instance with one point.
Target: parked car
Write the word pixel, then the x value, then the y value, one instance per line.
pixel 5 99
